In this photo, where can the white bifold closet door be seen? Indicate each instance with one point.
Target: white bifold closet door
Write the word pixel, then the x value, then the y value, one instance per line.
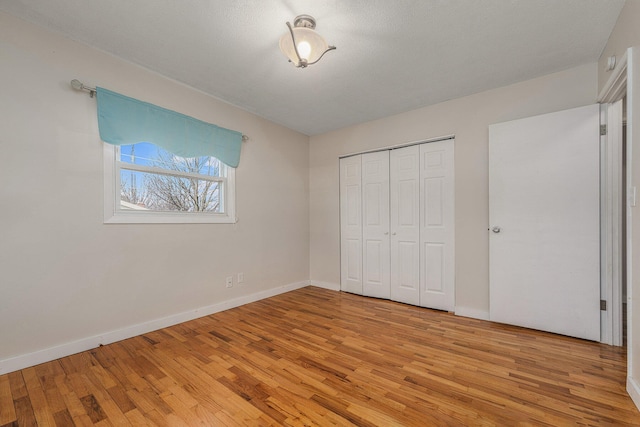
pixel 375 225
pixel 437 267
pixel 401 247
pixel 405 224
pixel 351 224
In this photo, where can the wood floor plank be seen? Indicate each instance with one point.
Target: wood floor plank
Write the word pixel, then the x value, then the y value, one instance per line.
pixel 93 408
pixel 137 418
pixel 7 410
pixel 38 400
pixel 24 412
pixel 63 418
pixel 318 357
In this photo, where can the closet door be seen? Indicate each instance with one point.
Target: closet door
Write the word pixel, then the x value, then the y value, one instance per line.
pixel 437 253
pixel 375 227
pixel 405 224
pixel 351 224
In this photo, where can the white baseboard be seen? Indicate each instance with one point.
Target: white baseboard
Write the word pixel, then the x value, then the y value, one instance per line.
pixel 66 349
pixel 326 285
pixel 474 313
pixel 633 388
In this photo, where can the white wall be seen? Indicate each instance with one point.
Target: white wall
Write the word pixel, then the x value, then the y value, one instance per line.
pixel 64 275
pixel 468 118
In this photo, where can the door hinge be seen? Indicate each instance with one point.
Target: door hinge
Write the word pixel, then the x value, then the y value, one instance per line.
pixel 603 129
pixel 603 305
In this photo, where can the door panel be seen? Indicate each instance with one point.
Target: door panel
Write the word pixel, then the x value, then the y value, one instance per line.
pixel 373 203
pixel 375 230
pixel 544 197
pixel 437 239
pixel 351 224
pixel 354 254
pixel 434 258
pixel 433 202
pixel 405 225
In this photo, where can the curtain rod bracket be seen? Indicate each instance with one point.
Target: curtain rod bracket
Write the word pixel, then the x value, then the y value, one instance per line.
pixel 78 85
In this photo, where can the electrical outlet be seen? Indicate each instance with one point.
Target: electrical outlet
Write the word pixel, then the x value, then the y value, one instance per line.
pixel 229 281
pixel 240 277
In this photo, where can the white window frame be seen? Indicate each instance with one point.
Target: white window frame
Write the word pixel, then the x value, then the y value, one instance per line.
pixel 114 215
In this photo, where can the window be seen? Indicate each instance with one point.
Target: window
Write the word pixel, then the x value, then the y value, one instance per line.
pixel 147 184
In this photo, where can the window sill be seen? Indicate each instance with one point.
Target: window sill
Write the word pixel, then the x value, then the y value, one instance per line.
pixel 168 218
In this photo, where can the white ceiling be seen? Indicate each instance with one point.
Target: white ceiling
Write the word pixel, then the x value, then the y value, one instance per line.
pixel 392 56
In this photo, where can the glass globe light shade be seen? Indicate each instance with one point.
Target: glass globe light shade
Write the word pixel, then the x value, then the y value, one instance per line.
pixel 311 45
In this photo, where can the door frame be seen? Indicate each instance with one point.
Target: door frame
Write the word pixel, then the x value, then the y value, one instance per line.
pixel 611 284
pixel 625 79
pixel 402 145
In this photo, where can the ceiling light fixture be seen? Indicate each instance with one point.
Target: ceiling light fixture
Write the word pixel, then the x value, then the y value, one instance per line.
pixel 302 45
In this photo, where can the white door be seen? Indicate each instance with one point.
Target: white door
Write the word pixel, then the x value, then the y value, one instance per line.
pixel 437 252
pixel 405 224
pixel 544 222
pixel 375 225
pixel 351 224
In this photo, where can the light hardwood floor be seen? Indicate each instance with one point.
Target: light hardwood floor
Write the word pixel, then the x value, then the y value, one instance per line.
pixel 319 357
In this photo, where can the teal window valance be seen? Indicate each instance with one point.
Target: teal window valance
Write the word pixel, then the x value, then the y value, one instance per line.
pixel 123 120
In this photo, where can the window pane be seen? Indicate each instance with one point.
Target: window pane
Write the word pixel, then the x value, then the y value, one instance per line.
pixel 147 154
pixel 165 193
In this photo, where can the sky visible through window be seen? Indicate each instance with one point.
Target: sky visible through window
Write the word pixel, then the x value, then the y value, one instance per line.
pixel 147 154
pixel 150 190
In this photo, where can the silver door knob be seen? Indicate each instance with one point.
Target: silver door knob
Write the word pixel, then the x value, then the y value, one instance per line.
pixel 496 229
pixel 394 233
pixel 386 233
